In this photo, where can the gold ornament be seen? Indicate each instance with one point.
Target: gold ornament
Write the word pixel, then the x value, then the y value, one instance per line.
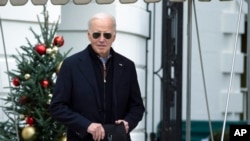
pixel 50 95
pixel 27 76
pixel 55 49
pixel 28 133
pixel 49 51
pixel 22 117
pixel 64 137
pixel 49 101
pixel 58 67
pixel 53 56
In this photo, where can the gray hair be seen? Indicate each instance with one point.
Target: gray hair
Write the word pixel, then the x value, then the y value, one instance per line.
pixel 102 16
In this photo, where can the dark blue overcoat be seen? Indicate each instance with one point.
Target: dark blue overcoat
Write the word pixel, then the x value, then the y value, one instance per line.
pixel 76 102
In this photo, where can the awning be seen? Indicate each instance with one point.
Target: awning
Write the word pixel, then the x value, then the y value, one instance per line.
pixel 63 2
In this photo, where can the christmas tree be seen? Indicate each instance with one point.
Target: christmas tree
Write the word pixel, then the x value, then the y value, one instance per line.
pixel 32 82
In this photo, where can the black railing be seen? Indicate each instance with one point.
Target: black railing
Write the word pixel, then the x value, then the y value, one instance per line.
pixel 172 37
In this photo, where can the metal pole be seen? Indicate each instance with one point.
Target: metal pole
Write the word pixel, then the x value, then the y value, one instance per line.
pixel 189 60
pixel 248 64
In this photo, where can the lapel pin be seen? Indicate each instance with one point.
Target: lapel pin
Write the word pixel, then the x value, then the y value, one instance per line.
pixel 120 64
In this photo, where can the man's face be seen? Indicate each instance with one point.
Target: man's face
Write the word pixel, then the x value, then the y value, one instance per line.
pixel 101 35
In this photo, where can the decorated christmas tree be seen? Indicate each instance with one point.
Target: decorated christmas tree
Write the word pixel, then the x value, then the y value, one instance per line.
pixel 31 89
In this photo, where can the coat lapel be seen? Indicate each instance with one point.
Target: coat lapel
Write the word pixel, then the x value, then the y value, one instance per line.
pixel 87 70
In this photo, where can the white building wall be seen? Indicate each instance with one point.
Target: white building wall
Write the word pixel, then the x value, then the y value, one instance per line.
pixel 217 23
pixel 154 61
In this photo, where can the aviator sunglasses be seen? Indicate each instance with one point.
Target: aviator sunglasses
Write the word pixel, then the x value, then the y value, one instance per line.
pixel 96 35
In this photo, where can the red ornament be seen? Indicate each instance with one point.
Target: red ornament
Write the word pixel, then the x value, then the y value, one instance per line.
pixel 30 120
pixel 16 81
pixel 58 41
pixel 45 83
pixel 40 49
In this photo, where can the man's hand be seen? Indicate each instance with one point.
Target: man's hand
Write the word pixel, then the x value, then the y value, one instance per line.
pixel 125 124
pixel 97 131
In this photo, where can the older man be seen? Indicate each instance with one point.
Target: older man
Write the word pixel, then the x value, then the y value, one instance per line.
pixel 97 86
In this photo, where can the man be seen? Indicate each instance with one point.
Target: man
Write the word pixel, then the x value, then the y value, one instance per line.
pixel 97 86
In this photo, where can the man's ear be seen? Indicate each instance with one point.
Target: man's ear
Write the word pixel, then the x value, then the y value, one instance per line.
pixel 89 35
pixel 114 37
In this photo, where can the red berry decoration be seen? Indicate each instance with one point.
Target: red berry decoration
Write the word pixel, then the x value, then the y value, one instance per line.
pixel 58 41
pixel 16 81
pixel 45 83
pixel 40 49
pixel 30 120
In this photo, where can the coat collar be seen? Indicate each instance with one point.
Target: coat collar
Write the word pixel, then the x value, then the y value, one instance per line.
pixel 87 70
